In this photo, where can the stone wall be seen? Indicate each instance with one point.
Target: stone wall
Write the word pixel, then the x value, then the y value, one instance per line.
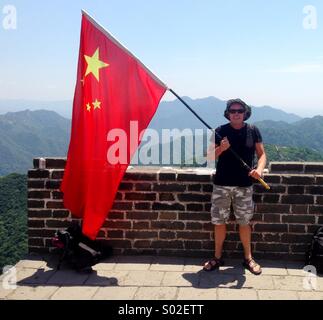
pixel 167 211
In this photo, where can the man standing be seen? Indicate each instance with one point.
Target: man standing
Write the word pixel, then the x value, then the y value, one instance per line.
pixel 232 182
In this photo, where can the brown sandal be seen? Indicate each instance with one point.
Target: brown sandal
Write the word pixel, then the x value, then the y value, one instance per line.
pixel 252 266
pixel 213 264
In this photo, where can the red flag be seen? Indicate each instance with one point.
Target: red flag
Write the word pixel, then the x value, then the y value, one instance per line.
pixel 113 88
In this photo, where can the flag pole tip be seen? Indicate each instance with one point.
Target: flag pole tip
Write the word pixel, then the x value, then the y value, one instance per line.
pixel 84 12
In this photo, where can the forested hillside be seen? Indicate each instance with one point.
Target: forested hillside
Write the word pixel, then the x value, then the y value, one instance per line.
pixel 13 219
pixel 28 134
pixel 306 133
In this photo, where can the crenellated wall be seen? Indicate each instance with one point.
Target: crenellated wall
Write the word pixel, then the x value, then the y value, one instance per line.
pixel 167 211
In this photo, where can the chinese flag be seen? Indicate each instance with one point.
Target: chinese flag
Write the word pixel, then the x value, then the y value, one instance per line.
pixel 113 88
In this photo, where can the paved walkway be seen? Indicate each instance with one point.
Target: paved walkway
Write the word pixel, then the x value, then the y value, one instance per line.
pixel 161 278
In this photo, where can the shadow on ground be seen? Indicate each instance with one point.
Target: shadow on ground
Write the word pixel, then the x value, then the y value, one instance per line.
pixel 49 275
pixel 230 277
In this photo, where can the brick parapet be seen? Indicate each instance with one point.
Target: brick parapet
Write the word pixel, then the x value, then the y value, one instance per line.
pixel 166 211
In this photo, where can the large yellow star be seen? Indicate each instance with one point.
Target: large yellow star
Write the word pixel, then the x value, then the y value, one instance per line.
pixel 96 104
pixel 94 65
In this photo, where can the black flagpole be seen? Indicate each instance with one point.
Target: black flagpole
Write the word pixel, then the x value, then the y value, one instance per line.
pixel 219 137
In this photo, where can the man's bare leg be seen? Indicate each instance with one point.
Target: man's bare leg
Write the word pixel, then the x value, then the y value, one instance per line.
pixel 220 234
pixel 245 237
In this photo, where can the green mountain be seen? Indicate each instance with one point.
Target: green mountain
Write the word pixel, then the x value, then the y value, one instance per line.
pixel 63 108
pixel 28 134
pixel 185 155
pixel 279 153
pixel 173 114
pixel 13 219
pixel 306 133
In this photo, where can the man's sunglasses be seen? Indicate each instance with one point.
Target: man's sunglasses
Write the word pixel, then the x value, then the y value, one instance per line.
pixel 232 111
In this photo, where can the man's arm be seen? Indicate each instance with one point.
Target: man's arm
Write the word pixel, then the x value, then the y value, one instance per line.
pixel 262 160
pixel 215 150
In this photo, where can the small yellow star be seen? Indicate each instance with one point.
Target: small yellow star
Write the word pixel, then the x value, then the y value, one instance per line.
pixel 88 107
pixel 96 104
pixel 94 65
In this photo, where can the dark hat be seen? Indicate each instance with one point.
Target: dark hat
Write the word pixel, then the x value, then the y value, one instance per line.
pixel 242 103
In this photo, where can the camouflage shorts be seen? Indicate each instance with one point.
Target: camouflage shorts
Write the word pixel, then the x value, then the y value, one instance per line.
pixel 242 203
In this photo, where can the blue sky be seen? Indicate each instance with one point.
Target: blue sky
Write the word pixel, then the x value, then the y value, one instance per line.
pixel 252 49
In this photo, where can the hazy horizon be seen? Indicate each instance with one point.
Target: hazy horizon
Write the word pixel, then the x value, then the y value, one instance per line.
pixel 43 104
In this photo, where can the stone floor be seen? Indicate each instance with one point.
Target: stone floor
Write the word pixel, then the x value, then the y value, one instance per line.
pixel 158 278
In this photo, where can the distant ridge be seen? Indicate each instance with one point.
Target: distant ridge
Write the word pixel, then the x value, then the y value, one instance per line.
pixel 210 107
pixel 307 132
pixel 211 110
pixel 28 134
pixel 63 108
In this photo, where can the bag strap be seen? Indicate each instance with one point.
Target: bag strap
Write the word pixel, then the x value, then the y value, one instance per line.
pixel 249 138
pixel 87 248
pixel 66 242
